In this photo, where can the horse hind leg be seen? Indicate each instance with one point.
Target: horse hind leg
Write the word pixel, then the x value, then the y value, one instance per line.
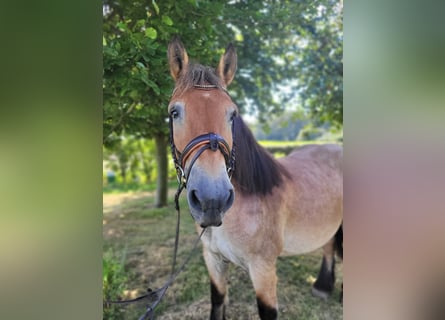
pixel 324 285
pixel 217 269
pixel 339 250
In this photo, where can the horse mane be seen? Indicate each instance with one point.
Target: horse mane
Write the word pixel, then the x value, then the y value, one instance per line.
pixel 197 75
pixel 256 171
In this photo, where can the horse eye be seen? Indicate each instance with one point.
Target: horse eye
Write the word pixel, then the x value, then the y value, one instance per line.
pixel 174 114
pixel 233 115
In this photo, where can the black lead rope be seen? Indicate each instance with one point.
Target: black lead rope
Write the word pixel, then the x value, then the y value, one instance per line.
pixel 156 296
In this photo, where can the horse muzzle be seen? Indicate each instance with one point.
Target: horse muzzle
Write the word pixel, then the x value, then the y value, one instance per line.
pixel 209 197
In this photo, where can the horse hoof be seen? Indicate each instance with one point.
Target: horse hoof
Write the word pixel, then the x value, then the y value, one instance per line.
pixel 320 294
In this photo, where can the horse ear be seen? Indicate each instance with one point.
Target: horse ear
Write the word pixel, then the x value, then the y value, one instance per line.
pixel 227 65
pixel 177 58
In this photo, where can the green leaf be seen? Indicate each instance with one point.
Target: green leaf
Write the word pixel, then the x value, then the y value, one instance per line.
pixel 155 6
pixel 151 33
pixel 122 26
pixel 139 23
pixel 154 86
pixel 167 20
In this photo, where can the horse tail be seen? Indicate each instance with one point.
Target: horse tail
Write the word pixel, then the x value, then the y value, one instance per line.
pixel 339 241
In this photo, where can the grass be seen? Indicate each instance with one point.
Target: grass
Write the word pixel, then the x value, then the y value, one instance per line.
pixel 132 187
pixel 114 278
pixel 140 240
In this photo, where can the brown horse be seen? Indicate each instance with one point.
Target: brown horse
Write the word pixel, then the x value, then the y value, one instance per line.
pixel 254 207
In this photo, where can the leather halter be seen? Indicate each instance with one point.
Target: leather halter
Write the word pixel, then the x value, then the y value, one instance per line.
pixel 199 144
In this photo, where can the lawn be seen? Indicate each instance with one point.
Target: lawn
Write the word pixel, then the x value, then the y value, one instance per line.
pixel 139 239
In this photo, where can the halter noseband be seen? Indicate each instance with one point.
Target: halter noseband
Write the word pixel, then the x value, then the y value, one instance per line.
pixel 199 144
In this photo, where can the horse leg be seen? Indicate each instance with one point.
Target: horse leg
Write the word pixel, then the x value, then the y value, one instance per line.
pixel 217 268
pixel 264 279
pixel 324 285
pixel 339 250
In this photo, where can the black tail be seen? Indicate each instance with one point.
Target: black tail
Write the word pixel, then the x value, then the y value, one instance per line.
pixel 339 241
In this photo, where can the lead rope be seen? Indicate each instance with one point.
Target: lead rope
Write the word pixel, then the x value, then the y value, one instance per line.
pixel 158 294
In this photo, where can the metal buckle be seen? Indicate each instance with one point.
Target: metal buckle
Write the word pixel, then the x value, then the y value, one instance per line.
pixel 180 175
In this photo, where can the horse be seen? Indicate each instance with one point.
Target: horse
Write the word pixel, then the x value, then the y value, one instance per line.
pixel 252 206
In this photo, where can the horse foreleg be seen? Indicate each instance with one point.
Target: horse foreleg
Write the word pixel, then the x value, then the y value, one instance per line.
pixel 264 281
pixel 217 268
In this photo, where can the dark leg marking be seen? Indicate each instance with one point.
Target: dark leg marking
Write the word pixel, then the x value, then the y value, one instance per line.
pixel 266 312
pixel 339 242
pixel 218 311
pixel 341 294
pixel 339 250
pixel 326 278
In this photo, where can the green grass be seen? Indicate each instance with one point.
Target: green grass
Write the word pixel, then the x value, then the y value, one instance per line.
pixel 139 240
pixel 133 187
pixel 114 278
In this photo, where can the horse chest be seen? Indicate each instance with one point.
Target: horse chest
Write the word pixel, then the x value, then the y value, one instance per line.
pixel 218 242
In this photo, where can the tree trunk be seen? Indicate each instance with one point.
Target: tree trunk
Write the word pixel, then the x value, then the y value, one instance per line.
pixel 161 161
pixel 123 169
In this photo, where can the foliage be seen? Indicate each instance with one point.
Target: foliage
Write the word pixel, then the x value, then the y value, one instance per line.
pixel 310 133
pixel 284 127
pixel 298 44
pixel 137 83
pixel 289 56
pixel 290 52
pixel 133 160
pixel 324 132
pixel 320 61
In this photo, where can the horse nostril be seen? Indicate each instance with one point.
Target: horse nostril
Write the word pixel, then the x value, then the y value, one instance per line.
pixel 231 196
pixel 194 199
pixel 230 199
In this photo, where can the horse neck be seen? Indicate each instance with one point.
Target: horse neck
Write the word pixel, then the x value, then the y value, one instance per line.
pixel 256 171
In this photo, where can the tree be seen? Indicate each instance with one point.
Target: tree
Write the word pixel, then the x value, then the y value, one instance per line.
pixel 321 63
pixel 131 157
pixel 296 44
pixel 275 41
pixel 137 84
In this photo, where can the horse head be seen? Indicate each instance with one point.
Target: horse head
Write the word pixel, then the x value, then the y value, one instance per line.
pixel 201 132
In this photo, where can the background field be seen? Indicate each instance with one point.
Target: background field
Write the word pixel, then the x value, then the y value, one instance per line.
pixel 138 246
